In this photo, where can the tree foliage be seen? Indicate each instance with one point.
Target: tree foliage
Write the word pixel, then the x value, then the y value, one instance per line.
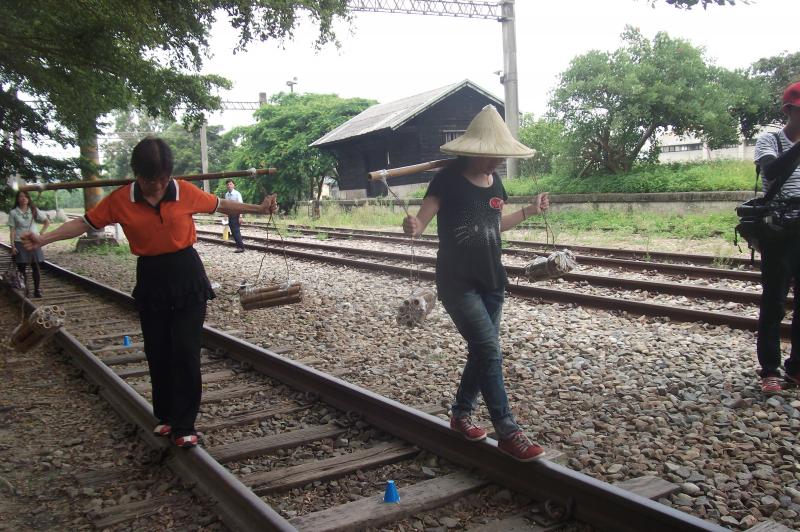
pixel 185 145
pixel 546 136
pixel 281 136
pixel 82 59
pixel 612 104
pixel 688 4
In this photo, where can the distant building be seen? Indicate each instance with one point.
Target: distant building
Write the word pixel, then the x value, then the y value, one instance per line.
pixel 686 148
pixel 402 133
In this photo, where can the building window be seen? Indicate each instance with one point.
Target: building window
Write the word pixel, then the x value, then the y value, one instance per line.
pixel 451 134
pixel 681 147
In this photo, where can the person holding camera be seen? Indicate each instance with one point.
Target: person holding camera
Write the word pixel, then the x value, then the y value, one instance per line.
pixel 778 156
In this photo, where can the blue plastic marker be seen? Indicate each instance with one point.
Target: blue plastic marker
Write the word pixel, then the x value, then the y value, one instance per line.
pixel 391 494
pixel 126 341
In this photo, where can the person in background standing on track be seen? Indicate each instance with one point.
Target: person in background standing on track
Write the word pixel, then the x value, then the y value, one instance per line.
pixel 233 219
pixel 468 199
pixel 780 258
pixel 22 219
pixel 172 288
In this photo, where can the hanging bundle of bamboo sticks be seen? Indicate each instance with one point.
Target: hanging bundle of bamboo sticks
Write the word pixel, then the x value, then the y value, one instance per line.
pixel 554 265
pixel 37 327
pixel 416 307
pixel 272 295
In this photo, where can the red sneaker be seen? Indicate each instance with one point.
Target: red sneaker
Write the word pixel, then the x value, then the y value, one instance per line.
pixel 190 440
pixel 162 429
pixel 771 384
pixel 520 447
pixel 465 426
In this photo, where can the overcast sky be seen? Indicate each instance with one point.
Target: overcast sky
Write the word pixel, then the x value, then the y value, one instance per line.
pixel 389 56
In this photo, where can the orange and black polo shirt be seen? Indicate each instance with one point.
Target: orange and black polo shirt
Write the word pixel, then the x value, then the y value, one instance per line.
pixel 165 228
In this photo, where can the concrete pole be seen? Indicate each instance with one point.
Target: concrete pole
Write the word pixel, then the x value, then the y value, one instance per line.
pixel 204 156
pixel 510 77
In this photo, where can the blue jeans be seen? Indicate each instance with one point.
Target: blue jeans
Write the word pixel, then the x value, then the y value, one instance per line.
pixel 476 315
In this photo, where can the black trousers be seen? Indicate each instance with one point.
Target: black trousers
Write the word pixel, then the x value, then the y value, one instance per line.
pixel 172 341
pixel 37 276
pixel 780 270
pixel 236 231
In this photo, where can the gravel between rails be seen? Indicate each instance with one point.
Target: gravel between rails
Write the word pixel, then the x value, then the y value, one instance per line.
pixel 622 396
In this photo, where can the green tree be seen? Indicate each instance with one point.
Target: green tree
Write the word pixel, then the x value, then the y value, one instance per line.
pixel 83 59
pixel 613 104
pixel 545 135
pixel 281 136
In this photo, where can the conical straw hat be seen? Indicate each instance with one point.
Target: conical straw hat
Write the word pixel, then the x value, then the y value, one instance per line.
pixel 487 136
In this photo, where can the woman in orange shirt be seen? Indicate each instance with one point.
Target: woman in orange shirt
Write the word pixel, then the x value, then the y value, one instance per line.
pixel 172 288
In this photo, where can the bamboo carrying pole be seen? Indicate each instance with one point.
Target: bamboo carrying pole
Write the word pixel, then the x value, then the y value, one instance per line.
pixel 380 175
pixel 39 187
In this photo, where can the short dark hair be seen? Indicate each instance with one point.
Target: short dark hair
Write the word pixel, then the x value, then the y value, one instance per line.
pixel 229 181
pixel 151 159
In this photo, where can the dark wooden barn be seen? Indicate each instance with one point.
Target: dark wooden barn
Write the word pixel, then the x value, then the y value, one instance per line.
pixel 401 133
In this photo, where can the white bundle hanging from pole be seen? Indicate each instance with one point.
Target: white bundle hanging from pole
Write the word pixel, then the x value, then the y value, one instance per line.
pixel 39 326
pixel 416 307
pixel 553 266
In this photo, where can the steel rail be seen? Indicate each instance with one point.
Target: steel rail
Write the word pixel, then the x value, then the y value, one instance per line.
pixel 630 264
pixel 688 290
pixel 626 253
pixel 546 294
pixel 588 499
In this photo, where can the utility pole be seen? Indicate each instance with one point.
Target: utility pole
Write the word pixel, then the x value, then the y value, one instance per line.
pixel 502 11
pixel 510 78
pixel 204 155
pixel 226 106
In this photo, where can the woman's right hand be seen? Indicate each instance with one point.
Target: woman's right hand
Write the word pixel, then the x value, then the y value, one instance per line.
pixel 30 241
pixel 14 250
pixel 411 225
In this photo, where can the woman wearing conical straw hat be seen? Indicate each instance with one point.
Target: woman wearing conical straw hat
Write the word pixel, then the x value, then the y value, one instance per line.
pixel 468 198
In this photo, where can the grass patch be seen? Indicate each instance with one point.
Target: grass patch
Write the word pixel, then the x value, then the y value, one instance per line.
pixel 372 214
pixel 675 177
pixel 685 226
pixel 108 250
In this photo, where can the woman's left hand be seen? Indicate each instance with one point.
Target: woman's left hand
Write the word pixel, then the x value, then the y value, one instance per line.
pixel 543 201
pixel 270 204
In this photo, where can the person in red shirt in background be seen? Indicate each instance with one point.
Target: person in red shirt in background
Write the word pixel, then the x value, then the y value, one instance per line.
pixel 172 288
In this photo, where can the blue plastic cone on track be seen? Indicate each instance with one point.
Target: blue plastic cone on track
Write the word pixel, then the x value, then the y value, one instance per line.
pixel 391 494
pixel 126 341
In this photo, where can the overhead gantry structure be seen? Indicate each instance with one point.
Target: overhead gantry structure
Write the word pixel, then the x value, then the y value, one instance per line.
pixel 502 11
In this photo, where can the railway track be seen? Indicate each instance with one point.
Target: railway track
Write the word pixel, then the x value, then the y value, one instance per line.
pixel 690 265
pixel 267 423
pixel 398 263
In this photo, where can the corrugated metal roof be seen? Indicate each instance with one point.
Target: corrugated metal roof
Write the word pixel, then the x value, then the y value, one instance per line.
pixel 392 115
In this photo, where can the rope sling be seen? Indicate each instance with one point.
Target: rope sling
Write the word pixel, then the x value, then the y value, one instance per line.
pixel 556 263
pixel 415 308
pixel 273 293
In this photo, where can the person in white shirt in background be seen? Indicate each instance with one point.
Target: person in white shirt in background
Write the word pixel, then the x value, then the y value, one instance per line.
pixel 233 219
